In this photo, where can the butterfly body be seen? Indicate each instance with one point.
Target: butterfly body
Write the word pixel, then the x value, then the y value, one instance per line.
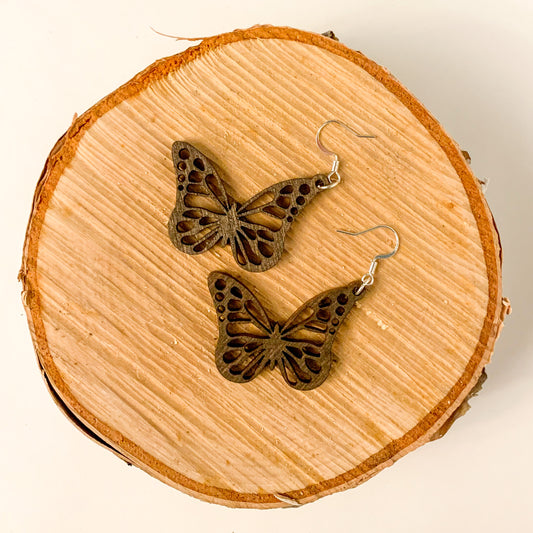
pixel 206 215
pixel 273 346
pixel 250 341
pixel 229 224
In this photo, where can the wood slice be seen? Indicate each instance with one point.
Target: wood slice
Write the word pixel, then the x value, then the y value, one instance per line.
pixel 123 322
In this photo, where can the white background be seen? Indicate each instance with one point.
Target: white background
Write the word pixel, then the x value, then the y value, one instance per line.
pixel 470 63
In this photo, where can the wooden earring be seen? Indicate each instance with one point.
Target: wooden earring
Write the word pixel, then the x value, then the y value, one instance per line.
pixel 206 215
pixel 249 340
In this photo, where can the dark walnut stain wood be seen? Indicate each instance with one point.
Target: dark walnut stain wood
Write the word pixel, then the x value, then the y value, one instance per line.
pixel 250 341
pixel 206 215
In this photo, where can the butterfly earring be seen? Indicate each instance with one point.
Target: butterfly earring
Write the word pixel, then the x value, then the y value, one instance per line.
pixel 249 340
pixel 206 215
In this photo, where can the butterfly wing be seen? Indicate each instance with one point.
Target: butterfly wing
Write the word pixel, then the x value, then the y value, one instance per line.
pixel 309 333
pixel 243 329
pixel 202 202
pixel 264 220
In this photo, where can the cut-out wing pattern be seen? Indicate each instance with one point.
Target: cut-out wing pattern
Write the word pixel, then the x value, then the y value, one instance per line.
pixel 249 340
pixel 206 215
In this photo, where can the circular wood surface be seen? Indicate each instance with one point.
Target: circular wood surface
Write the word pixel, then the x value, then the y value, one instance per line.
pixel 123 322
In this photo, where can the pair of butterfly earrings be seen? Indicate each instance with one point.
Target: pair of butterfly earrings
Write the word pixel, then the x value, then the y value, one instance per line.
pixel 249 340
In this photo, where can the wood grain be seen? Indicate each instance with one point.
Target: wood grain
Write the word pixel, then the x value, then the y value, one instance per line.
pixel 123 323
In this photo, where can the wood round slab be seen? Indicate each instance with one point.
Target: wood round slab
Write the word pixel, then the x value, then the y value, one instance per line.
pixel 123 322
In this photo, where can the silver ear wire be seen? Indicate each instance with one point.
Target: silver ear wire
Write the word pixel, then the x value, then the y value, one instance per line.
pixel 334 177
pixel 368 278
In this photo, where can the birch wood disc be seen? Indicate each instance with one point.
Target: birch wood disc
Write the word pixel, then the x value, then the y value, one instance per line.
pixel 123 323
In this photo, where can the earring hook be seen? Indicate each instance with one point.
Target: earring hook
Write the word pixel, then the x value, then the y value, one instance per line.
pixel 334 176
pixel 368 278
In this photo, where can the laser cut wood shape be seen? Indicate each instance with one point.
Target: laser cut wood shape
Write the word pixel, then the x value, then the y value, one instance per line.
pixel 206 215
pixel 123 323
pixel 250 341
